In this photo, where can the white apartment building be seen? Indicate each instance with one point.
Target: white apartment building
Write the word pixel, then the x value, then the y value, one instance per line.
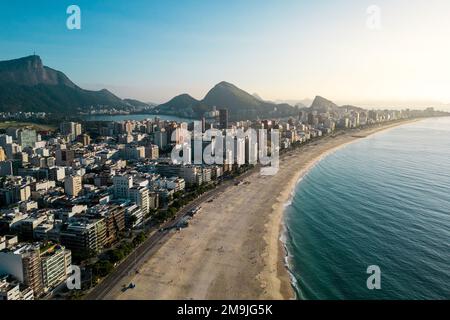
pixel 133 216
pixel 11 289
pixel 73 185
pixel 55 261
pixel 122 185
pixel 140 196
pixel 174 183
pixel 24 264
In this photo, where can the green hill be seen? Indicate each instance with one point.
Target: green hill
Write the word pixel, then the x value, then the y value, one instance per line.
pixel 27 85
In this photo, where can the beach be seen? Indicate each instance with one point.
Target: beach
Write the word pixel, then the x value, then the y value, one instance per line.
pixel 232 248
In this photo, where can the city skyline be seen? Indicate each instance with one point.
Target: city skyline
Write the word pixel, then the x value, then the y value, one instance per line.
pixel 288 51
pixel 105 194
pixel 205 151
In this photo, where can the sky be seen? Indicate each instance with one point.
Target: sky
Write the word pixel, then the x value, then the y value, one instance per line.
pixel 282 50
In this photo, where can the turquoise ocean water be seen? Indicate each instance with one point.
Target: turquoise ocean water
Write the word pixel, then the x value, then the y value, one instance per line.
pixel 383 200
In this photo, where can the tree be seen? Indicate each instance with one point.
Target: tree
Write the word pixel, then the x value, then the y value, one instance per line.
pixel 139 239
pixel 102 268
pixel 115 255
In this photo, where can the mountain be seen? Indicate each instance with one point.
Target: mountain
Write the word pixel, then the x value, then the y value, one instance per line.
pixel 183 106
pixel 30 71
pixel 322 105
pixel 240 104
pixel 137 103
pixel 151 104
pixel 257 96
pixel 183 102
pixel 228 95
pixel 300 104
pixel 27 85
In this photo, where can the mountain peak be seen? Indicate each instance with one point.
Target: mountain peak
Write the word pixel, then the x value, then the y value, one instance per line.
pixel 30 62
pixel 225 84
pixel 33 57
pixel 185 95
pixel 30 71
pixel 320 98
pixel 242 105
pixel 186 98
pixel 27 85
pixel 181 101
pixel 323 105
pixel 225 94
pixel 257 96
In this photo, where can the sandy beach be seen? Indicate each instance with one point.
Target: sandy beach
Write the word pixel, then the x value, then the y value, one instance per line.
pixel 232 248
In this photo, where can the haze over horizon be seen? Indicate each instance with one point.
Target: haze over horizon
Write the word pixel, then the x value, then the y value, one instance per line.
pixel 282 51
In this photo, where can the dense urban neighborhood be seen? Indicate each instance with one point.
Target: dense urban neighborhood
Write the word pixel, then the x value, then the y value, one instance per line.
pixel 88 194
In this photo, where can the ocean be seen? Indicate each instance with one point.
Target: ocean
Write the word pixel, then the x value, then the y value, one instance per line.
pixel 381 201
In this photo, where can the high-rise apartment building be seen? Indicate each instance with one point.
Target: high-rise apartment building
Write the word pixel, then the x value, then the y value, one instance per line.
pixel 24 263
pixel 55 261
pixel 73 186
pixel 223 118
pixel 64 157
pixel 12 289
pixel 140 196
pixel 122 185
pixel 133 216
pixel 114 218
pixel 84 237
pixel 26 138
pixel 152 152
pixel 160 138
pixel 70 129
pixel 84 139
pixel 56 174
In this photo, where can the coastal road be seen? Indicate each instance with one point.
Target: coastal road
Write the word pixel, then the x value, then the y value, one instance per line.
pixel 151 245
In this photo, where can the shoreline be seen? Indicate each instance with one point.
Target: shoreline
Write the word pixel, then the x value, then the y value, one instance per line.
pixel 281 206
pixel 221 255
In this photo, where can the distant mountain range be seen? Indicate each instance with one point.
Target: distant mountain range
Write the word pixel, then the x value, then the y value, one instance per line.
pixel 240 104
pixel 27 85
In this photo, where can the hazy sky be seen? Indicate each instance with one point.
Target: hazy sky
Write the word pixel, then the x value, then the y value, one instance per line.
pixel 153 50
